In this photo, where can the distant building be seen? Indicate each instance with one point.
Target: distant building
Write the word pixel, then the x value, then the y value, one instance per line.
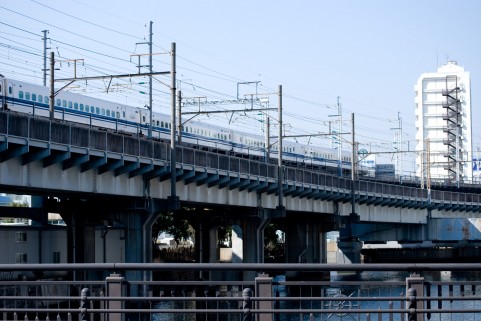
pixel 443 125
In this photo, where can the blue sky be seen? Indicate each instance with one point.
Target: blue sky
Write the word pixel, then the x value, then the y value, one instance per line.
pixel 369 53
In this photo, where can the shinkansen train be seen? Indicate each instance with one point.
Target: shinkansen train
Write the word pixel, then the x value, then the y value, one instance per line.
pixel 23 97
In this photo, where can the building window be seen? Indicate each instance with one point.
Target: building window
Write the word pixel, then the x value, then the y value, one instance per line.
pixel 56 257
pixel 20 237
pixel 20 258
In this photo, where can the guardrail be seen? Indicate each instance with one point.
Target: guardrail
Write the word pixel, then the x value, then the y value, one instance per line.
pixel 272 292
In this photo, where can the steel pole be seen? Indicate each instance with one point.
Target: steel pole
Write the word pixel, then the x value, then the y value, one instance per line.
pixel 52 89
pixel 173 161
pixel 280 178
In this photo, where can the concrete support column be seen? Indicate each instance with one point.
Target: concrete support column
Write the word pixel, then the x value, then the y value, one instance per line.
pixel 303 242
pixel 237 245
pixel 349 252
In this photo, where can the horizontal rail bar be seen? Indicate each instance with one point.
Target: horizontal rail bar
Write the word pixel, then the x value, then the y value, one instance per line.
pixel 412 267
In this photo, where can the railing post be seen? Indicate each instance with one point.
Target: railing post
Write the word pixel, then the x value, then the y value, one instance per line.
pixel 114 288
pixel 247 304
pixel 414 289
pixel 264 290
pixel 412 304
pixel 84 305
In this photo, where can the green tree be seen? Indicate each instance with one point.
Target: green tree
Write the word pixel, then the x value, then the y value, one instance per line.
pixel 173 224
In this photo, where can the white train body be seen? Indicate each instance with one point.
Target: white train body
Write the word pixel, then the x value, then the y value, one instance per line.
pixel 33 99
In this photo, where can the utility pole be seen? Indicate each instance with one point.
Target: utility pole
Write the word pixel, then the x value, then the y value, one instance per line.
pixel 150 66
pixel 398 145
pixel 280 177
pixel 45 57
pixel 179 116
pixel 267 138
pixel 339 144
pixel 353 167
pixel 150 82
pixel 52 89
pixel 174 200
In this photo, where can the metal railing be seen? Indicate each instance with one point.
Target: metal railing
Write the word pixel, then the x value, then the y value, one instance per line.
pixel 269 292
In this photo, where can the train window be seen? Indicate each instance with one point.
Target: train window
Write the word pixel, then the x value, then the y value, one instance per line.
pixel 169 126
pixel 92 109
pixel 103 112
pixel 10 90
pixel 75 106
pixel 20 94
pixel 161 124
pixel 143 119
pixel 46 99
pixel 97 110
pixel 118 115
pixel 157 123
pixel 59 102
pixel 81 107
pixel 27 95
pixel 108 113
pixel 112 112
pixel 34 97
pixel 70 104
pixel 123 114
pixel 40 98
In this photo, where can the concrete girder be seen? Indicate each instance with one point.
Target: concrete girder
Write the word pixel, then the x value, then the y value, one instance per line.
pixel 185 174
pixel 363 199
pixel 56 158
pixel 144 168
pixel 157 171
pixel 207 179
pixel 272 188
pixel 290 188
pixel 35 155
pixel 250 185
pixel 12 152
pixel 93 163
pixel 298 190
pixel 306 192
pixel 313 193
pixel 243 182
pixel 127 167
pixel 257 187
pixel 195 178
pixel 75 160
pixel 223 182
pixel 110 166
pixel 378 201
pixel 233 183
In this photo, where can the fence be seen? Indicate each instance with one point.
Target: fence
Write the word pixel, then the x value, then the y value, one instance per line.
pixel 262 292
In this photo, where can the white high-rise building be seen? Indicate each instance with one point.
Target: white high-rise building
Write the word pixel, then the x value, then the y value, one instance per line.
pixel 443 125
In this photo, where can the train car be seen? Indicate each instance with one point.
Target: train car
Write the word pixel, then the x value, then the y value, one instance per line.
pixel 33 99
